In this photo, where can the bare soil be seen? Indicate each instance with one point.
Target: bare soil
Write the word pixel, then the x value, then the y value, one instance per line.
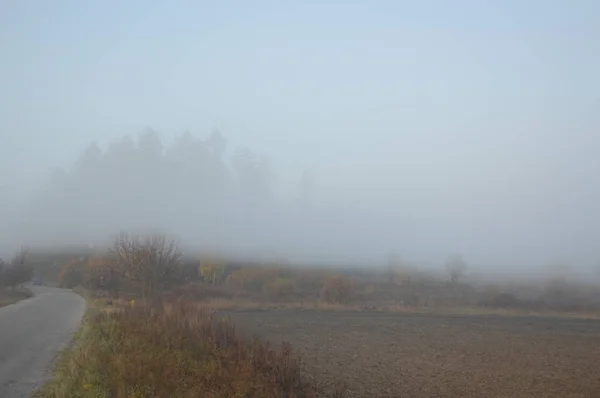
pixel 411 355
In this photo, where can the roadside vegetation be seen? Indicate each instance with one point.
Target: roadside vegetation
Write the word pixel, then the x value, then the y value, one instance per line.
pixel 224 284
pixel 12 278
pixel 138 341
pixel 155 325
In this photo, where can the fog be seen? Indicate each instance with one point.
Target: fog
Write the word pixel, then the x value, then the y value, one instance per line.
pixel 315 132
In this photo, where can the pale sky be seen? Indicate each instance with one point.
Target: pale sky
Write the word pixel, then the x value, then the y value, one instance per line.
pixel 482 114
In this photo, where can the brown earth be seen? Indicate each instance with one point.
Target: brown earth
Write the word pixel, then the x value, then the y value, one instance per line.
pixel 409 355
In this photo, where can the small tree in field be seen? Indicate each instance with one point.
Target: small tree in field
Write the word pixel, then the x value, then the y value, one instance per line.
pixel 147 264
pixel 456 267
pixel 211 271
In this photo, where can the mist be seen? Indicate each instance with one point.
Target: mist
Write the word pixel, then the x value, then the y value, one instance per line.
pixel 381 128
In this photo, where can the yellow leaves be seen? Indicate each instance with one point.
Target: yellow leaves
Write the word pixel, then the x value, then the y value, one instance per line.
pixel 211 271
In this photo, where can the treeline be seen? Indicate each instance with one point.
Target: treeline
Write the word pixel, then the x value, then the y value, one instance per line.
pixel 151 265
pixel 194 187
pixel 208 195
pixel 17 271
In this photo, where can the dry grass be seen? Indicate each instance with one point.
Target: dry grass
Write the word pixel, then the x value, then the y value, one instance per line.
pixel 416 355
pixel 414 337
pixel 9 296
pixel 178 350
pixel 243 304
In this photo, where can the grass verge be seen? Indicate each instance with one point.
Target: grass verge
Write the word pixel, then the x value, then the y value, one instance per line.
pixel 175 350
pixel 8 296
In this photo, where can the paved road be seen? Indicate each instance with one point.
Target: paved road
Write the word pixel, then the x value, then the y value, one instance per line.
pixel 32 332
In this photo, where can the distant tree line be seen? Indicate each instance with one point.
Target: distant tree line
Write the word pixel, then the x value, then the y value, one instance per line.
pixel 192 185
pixel 17 271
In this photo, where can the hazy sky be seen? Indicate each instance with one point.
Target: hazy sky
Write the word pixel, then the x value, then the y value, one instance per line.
pixel 482 114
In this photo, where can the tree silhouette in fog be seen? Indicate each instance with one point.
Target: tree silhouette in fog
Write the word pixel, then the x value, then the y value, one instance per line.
pixel 142 183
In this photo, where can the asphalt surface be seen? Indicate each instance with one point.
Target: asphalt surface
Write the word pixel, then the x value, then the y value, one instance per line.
pixel 32 332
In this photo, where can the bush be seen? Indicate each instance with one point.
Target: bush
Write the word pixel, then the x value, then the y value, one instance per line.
pixel 310 280
pixel 252 279
pixel 101 274
pixel 147 264
pixel 199 291
pixel 18 272
pixel 279 288
pixel 337 289
pixel 177 351
pixel 505 300
pixel 211 271
pixel 71 274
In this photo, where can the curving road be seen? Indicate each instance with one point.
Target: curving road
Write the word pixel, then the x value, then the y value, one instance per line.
pixel 32 332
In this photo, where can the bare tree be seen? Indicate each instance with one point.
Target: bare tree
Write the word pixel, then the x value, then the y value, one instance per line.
pixel 393 263
pixel 21 257
pixel 147 263
pixel 456 267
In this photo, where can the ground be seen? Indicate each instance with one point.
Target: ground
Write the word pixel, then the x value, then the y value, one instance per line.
pixel 9 296
pixel 411 355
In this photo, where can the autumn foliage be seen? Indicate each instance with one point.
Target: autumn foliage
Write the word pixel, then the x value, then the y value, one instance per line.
pixel 71 275
pixel 101 274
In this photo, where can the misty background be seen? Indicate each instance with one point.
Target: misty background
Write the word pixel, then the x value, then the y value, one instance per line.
pixel 321 130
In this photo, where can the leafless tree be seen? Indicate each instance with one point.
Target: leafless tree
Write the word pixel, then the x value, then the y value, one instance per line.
pixel 146 263
pixel 456 267
pixel 21 257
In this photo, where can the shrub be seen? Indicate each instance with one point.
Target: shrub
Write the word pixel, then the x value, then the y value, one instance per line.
pixel 310 280
pixel 177 351
pixel 18 272
pixel 337 289
pixel 211 271
pixel 148 264
pixel 189 271
pixel 252 279
pixel 71 274
pixel 279 288
pixel 505 300
pixel 101 274
pixel 199 291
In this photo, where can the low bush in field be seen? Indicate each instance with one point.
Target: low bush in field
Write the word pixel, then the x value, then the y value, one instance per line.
pixel 279 288
pixel 252 279
pixel 71 274
pixel 337 289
